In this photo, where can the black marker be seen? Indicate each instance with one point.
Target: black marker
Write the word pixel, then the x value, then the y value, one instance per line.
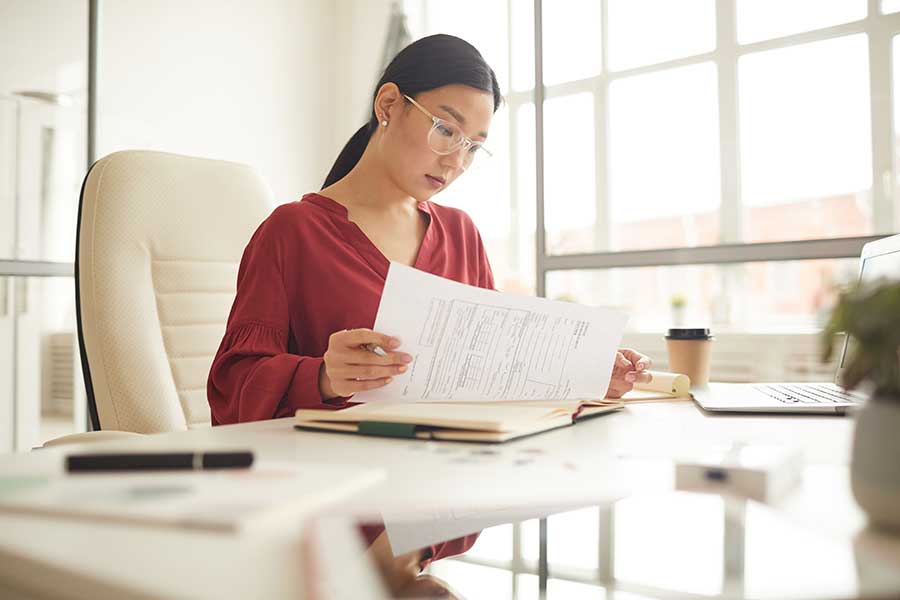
pixel 158 461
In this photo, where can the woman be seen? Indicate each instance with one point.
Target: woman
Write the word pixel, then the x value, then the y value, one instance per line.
pixel 311 277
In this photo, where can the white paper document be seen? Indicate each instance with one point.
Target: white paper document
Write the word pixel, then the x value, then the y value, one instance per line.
pixel 470 344
pixel 270 495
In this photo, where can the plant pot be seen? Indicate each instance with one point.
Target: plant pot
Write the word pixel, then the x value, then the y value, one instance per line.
pixel 875 462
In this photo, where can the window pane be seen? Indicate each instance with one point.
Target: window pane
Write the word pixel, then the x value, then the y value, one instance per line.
pixel 494 543
pixel 7 366
pixel 522 229
pixel 483 192
pixel 806 141
pixel 503 210
pixel 530 540
pixel 679 559
pixel 569 173
pixel 522 39
pixel 7 178
pixel 643 32
pixel 890 6
pixel 474 581
pixel 571 40
pixel 664 159
pixel 765 19
pixel 40 371
pixel 527 587
pixel 786 302
pixel 488 33
pixel 42 126
pixel 778 560
pixel 756 296
pixel 557 589
pixel 896 96
pixel 573 539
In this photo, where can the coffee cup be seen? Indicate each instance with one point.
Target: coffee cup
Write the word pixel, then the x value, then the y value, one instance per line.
pixel 689 353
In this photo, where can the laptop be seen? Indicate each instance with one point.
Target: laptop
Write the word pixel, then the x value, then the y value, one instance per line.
pixel 879 259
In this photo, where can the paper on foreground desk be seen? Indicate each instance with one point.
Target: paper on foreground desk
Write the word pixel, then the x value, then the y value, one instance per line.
pixel 229 501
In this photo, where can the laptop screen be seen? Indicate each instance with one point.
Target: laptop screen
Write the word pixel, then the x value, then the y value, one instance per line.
pixel 885 265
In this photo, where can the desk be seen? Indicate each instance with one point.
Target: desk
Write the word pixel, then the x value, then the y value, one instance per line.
pixel 595 461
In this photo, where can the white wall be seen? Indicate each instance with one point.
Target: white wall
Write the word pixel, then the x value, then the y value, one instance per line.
pixel 278 84
pixel 43 46
pixel 244 81
pixel 361 28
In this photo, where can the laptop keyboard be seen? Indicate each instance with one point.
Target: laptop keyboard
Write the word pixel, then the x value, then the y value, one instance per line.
pixel 808 393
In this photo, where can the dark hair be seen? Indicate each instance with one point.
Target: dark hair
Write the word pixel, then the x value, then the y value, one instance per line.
pixel 426 64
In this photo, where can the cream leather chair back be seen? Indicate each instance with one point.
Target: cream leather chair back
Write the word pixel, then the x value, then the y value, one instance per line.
pixel 160 237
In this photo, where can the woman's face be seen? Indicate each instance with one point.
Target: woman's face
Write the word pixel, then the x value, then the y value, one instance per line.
pixel 403 145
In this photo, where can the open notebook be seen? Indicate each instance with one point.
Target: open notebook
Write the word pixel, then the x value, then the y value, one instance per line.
pixel 482 421
pixel 459 421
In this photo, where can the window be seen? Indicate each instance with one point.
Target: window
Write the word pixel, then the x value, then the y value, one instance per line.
pixel 664 159
pixel 732 154
pixel 736 144
pixel 43 150
pixel 499 199
pixel 570 210
pixel 815 182
pixel 641 32
pixel 572 40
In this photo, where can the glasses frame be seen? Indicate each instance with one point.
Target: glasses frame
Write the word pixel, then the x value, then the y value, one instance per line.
pixel 437 122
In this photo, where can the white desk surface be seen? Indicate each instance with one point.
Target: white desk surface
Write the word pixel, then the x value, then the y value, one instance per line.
pixel 596 460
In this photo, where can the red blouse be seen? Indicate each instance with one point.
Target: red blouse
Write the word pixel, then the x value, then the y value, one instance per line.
pixel 307 272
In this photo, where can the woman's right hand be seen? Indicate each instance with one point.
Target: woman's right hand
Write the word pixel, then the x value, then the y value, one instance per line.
pixel 349 368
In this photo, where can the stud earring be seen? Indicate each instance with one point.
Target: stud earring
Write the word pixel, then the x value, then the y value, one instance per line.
pixel 384 123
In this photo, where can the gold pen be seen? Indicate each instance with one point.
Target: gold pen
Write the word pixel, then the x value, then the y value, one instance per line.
pixel 375 348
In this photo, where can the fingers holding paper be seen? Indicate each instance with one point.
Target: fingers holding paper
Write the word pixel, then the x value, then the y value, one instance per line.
pixel 629 367
pixel 350 366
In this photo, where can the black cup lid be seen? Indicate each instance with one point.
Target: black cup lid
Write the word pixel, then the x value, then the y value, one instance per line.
pixel 686 333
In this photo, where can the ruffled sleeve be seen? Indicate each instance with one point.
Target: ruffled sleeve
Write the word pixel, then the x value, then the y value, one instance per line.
pixel 253 376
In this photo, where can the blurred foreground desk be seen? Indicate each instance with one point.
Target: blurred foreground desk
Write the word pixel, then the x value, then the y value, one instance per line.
pixel 593 463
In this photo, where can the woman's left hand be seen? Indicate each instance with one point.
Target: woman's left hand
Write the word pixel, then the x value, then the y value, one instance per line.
pixel 630 367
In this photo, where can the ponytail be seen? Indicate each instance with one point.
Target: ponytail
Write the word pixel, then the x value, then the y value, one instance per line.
pixel 426 64
pixel 350 155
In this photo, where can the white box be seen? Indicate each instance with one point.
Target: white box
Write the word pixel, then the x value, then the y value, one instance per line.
pixel 763 472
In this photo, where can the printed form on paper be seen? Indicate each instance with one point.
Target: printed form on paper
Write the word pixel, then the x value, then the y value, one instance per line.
pixel 474 345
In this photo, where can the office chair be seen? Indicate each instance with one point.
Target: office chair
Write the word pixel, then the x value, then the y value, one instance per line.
pixel 160 238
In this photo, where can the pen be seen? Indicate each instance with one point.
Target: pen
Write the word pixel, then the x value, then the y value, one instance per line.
pixel 375 348
pixel 158 461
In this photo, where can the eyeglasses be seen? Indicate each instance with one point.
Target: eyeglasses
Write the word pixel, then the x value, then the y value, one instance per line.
pixel 446 138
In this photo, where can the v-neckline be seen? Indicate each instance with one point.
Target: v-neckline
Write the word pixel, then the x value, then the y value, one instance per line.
pixel 361 242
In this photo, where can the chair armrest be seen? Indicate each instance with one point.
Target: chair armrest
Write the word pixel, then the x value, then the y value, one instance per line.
pixel 90 437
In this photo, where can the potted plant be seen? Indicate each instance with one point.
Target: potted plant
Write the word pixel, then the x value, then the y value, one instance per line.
pixel 678 303
pixel 870 315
